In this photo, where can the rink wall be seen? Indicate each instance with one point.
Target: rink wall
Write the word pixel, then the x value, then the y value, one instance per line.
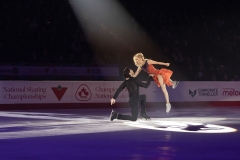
pixel 77 94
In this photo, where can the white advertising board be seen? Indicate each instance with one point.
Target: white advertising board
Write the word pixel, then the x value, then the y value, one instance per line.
pixel 24 92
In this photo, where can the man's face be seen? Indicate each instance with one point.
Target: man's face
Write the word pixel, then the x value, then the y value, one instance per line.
pixel 131 73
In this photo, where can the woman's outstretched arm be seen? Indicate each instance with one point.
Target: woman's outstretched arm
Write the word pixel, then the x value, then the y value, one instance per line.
pixel 160 63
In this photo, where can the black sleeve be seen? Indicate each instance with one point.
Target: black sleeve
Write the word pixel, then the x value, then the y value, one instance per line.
pixel 120 88
pixel 141 84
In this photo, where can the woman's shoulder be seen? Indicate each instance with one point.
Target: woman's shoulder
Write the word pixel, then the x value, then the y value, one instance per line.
pixel 147 61
pixel 144 65
pixel 144 61
pixel 150 61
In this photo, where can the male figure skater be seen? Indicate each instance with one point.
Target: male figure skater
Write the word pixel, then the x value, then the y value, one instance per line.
pixel 132 84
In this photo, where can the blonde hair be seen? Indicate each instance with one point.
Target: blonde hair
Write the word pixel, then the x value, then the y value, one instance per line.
pixel 138 55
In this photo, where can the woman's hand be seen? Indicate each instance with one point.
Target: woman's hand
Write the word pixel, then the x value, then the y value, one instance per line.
pixel 167 64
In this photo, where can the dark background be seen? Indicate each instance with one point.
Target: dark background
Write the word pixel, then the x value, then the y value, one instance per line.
pixel 199 38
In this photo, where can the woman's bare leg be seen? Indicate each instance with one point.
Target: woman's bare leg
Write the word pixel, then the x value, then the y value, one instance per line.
pixel 165 92
pixel 163 87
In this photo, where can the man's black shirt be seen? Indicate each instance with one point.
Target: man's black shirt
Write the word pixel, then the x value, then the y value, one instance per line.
pixel 132 85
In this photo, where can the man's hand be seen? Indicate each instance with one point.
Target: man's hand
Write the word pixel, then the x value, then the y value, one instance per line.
pixel 112 101
pixel 167 64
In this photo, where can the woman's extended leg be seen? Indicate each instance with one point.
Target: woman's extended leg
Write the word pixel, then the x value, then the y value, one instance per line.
pixel 174 83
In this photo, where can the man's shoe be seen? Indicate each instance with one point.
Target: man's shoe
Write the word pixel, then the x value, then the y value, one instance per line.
pixel 168 107
pixel 113 115
pixel 144 115
pixel 175 83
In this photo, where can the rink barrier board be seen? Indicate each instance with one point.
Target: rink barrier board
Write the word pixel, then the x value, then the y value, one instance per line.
pixel 98 93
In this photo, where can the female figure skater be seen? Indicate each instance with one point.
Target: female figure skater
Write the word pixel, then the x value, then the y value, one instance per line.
pixel 161 77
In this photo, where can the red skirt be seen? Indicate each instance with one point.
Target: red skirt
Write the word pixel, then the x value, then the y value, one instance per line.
pixel 166 74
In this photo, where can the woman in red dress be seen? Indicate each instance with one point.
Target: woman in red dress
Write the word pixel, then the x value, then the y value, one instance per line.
pixel 161 77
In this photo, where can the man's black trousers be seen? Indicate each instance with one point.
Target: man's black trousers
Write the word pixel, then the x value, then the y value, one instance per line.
pixel 133 102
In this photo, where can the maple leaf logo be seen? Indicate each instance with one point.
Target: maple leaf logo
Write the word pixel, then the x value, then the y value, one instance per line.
pixel 83 93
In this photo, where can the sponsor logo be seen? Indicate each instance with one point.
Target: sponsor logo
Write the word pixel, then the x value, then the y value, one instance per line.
pixel 93 70
pixel 208 92
pixel 59 91
pixel 24 93
pixel 230 92
pixel 15 70
pixel 5 71
pixel 108 92
pixel 83 93
pixel 192 93
pixel 204 92
pixel 9 71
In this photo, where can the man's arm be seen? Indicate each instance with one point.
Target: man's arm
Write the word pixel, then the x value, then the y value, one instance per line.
pixel 120 88
pixel 141 84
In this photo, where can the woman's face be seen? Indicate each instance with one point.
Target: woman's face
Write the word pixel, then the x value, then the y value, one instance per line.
pixel 137 60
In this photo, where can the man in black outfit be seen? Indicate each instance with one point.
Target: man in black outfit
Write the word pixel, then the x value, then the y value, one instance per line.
pixel 132 84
